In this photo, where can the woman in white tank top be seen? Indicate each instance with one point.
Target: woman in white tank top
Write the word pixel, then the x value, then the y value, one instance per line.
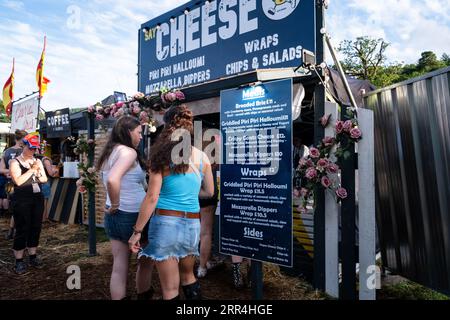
pixel 124 178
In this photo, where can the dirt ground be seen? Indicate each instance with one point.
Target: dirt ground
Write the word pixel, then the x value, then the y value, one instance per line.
pixel 62 246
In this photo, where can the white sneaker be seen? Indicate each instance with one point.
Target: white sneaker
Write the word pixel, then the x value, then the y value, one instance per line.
pixel 201 272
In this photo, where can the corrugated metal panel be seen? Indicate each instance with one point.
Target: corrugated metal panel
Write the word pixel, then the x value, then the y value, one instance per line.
pixel 412 159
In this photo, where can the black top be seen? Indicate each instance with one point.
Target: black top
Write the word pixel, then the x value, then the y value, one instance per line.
pixel 26 189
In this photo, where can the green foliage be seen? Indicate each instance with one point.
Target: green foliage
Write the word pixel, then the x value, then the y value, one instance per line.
pixel 364 58
pixel 3 117
pixel 408 290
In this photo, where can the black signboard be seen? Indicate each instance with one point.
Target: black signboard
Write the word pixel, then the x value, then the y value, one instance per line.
pixel 58 123
pixel 256 172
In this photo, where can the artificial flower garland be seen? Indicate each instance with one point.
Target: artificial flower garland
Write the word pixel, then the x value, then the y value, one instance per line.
pixel 140 106
pixel 319 169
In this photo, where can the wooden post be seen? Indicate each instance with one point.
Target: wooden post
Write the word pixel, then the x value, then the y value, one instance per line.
pixel 319 109
pixel 331 221
pixel 91 204
pixel 348 221
pixel 257 280
pixel 368 273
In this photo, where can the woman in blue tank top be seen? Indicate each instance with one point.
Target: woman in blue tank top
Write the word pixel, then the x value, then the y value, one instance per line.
pixel 179 174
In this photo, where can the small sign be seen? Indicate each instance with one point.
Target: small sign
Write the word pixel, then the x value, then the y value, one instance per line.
pixel 256 172
pixel 24 115
pixel 58 123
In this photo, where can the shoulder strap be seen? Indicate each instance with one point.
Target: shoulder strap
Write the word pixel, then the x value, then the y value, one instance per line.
pixel 195 169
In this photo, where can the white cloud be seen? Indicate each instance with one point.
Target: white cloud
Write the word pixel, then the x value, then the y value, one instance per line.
pixel 88 63
pixel 14 5
pixel 411 26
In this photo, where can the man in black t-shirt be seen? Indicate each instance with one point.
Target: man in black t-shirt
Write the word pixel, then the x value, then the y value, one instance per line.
pixel 8 155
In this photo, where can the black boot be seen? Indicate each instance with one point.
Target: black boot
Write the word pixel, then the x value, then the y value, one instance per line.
pixel 237 277
pixel 192 291
pixel 147 295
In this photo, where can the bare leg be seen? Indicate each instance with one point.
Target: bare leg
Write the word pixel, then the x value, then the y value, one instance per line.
pixel 45 210
pixel 144 275
pixel 19 254
pixel 207 220
pixel 187 270
pixel 119 275
pixel 170 278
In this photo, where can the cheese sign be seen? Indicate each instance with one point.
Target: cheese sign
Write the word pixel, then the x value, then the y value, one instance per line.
pixel 58 123
pixel 207 40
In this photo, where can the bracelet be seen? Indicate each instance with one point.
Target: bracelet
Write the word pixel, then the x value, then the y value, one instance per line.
pixel 136 231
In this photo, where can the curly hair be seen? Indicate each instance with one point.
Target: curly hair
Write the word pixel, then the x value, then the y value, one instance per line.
pixel 177 117
pixel 120 135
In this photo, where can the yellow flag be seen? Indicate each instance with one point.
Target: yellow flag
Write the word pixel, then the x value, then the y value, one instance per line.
pixel 40 79
pixel 8 92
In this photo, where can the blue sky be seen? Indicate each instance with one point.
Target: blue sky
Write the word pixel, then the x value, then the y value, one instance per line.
pixel 92 45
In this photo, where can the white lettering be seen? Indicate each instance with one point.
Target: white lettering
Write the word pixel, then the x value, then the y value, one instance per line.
pixel 177 35
pixel 245 25
pixel 208 21
pixel 230 17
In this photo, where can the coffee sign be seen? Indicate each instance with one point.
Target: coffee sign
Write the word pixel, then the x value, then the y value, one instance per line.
pixel 58 123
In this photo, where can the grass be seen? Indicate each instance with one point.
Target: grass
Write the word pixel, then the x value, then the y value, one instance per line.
pixel 408 290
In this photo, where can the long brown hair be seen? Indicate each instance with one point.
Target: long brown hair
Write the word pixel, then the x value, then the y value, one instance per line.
pixel 120 135
pixel 177 117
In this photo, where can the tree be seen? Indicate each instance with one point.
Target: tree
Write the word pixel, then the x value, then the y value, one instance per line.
pixel 3 116
pixel 446 59
pixel 364 57
pixel 429 62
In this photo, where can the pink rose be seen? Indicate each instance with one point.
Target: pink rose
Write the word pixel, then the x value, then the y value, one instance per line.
pixel 179 95
pixel 99 117
pixel 326 182
pixel 325 120
pixel 296 193
pixel 309 163
pixel 328 141
pixel 341 193
pixel 314 153
pixel 323 163
pixel 135 104
pixel 339 126
pixel 348 125
pixel 332 168
pixel 302 163
pixel 311 173
pixel 119 113
pixel 355 133
pixel 139 95
pixel 82 189
pixel 136 110
pixel 170 96
pixel 119 104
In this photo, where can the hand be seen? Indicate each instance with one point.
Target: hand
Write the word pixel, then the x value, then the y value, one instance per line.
pixel 35 167
pixel 134 243
pixel 112 210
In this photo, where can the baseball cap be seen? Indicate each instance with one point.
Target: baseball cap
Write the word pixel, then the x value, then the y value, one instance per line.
pixel 32 141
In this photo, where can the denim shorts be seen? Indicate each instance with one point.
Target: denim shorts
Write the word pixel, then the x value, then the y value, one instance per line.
pixel 172 237
pixel 119 226
pixel 46 190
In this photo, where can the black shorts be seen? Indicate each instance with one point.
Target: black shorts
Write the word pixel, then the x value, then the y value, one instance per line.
pixel 208 202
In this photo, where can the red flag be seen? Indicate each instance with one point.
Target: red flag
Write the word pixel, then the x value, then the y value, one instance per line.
pixel 8 92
